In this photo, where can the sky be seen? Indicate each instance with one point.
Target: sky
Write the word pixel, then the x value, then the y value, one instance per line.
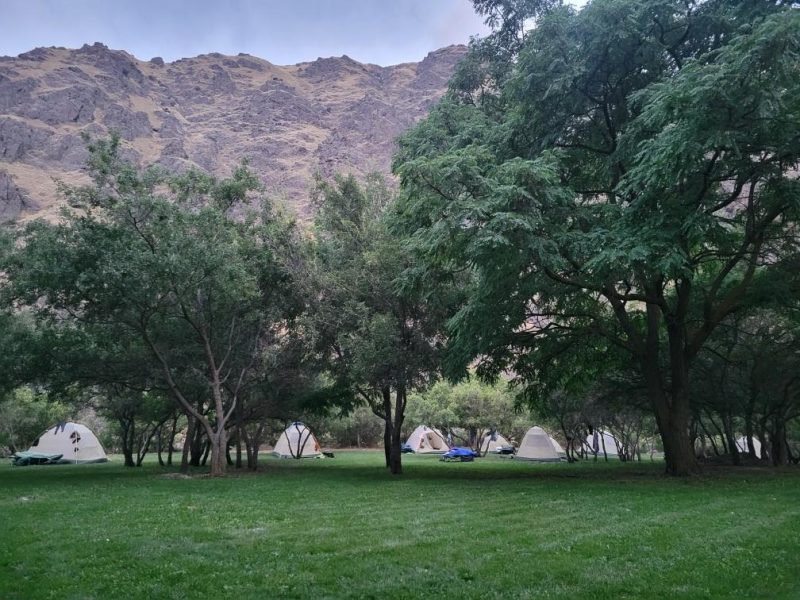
pixel 383 32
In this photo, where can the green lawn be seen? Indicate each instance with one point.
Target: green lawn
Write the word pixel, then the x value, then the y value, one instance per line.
pixel 343 528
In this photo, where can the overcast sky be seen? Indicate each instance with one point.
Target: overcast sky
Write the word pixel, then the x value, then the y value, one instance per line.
pixel 284 32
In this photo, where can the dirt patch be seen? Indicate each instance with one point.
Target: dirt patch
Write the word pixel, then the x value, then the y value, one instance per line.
pixel 175 476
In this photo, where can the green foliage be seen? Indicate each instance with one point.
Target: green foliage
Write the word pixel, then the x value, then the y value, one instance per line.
pixel 746 383
pixel 162 282
pixel 25 415
pixel 472 406
pixel 377 334
pixel 359 428
pixel 617 182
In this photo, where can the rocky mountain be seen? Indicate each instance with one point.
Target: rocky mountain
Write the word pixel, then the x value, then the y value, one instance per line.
pixel 332 114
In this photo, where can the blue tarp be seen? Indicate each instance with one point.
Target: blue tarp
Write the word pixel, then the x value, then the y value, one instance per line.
pixel 460 454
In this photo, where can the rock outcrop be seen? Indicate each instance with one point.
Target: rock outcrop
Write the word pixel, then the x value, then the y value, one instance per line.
pixel 210 111
pixel 12 199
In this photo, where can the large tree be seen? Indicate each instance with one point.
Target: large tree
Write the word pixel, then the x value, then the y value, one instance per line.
pixel 618 179
pixel 377 337
pixel 176 268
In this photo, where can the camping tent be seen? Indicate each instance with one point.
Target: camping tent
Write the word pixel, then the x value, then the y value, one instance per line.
pixel 74 442
pixel 600 439
pixel 493 442
pixel 297 441
pixel 537 445
pixel 741 446
pixel 424 440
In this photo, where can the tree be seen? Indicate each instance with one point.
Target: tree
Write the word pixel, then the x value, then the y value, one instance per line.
pixel 432 407
pixel 138 416
pixel 287 388
pixel 747 382
pixel 377 338
pixel 25 415
pixel 165 259
pixel 617 180
pixel 468 411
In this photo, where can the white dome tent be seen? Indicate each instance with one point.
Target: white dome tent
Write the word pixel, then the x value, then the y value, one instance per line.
pixel 424 440
pixel 74 442
pixel 493 442
pixel 602 440
pixel 297 441
pixel 537 445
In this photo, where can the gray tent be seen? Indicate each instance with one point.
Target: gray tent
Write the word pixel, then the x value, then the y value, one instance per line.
pixel 538 446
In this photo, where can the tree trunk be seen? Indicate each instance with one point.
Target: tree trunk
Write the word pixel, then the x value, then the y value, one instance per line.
pixel 395 459
pixel 673 426
pixel 126 428
pixel 144 443
pixel 749 433
pixel 196 448
pixel 570 449
pixel 602 435
pixel 247 449
pixel 678 450
pixel 172 432
pixel 672 411
pixel 239 448
pixel 672 415
pixel 779 450
pixel 395 456
pixel 708 436
pixel 160 446
pixel 187 444
pixel 218 443
pixel 128 456
pixel 386 393
pixel 730 439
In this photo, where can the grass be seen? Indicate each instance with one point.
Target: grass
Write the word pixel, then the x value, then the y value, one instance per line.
pixel 343 528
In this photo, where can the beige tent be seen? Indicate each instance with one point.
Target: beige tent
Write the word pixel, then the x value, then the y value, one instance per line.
pixel 297 441
pixel 75 442
pixel 743 448
pixel 538 446
pixel 600 440
pixel 424 440
pixel 493 442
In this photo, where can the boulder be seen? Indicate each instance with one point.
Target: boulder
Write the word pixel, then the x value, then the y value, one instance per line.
pixel 12 200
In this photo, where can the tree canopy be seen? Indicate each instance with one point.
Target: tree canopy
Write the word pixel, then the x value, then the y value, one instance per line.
pixel 158 275
pixel 619 180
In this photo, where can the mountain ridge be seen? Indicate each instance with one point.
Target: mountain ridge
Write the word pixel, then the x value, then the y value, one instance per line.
pixel 329 115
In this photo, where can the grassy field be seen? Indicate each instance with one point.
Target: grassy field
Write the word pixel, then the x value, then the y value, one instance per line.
pixel 342 528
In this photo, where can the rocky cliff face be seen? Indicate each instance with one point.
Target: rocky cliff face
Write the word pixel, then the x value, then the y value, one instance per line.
pixel 332 114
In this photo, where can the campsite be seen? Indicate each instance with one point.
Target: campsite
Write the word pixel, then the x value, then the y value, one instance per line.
pixel 415 299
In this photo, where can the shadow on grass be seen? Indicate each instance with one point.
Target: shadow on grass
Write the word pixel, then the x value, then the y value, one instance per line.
pixel 366 469
pixel 430 469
